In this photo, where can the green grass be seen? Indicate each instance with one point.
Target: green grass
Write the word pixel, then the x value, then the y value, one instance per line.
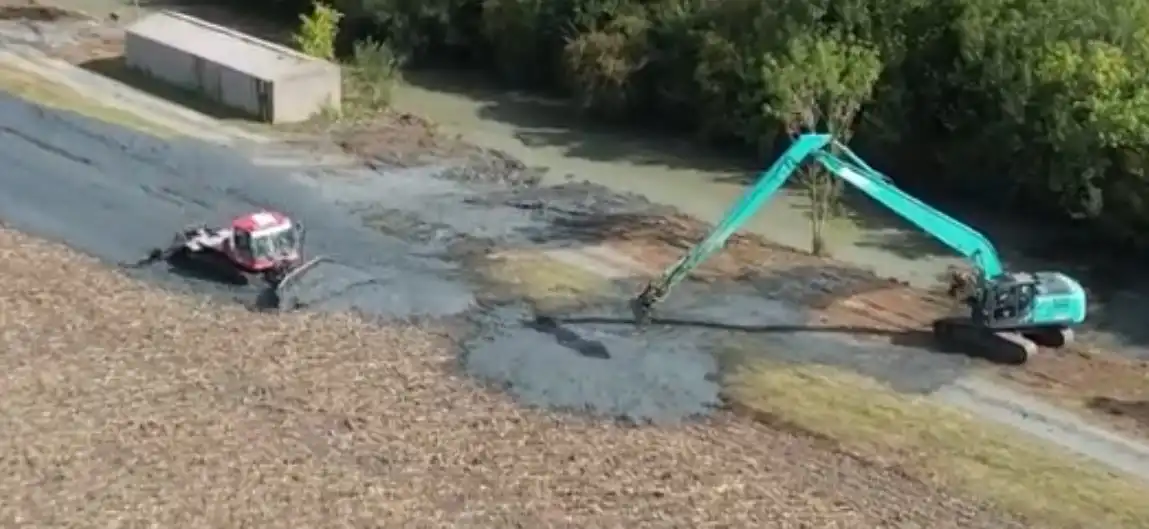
pixel 545 282
pixel 941 445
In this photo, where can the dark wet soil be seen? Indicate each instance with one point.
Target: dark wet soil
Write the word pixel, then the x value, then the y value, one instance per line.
pixel 401 239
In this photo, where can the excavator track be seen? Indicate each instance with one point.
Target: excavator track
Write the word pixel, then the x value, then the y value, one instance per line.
pixel 1005 347
pixel 1051 337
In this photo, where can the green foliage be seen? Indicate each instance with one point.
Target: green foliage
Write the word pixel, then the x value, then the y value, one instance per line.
pixel 602 64
pixel 1032 105
pixel 514 30
pixel 420 28
pixel 371 76
pixel 317 31
pixel 818 83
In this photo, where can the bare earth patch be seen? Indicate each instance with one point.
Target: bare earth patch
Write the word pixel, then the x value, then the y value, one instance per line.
pixel 1114 388
pixel 127 406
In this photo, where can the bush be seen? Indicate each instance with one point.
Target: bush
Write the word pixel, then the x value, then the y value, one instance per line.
pixel 603 65
pixel 318 31
pixel 373 72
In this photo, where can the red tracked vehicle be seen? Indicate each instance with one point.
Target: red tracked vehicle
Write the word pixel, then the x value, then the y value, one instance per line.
pixel 266 244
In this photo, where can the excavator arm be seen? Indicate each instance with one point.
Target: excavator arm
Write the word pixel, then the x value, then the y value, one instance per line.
pixel 964 240
pixel 1011 313
pixel 768 184
pixel 850 168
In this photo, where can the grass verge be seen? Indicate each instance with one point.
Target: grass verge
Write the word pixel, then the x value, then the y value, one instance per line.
pixel 36 89
pixel 545 282
pixel 941 445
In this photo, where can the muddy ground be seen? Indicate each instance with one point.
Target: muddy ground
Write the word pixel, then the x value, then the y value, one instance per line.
pixel 130 405
pixel 422 235
pixel 482 202
pixel 127 192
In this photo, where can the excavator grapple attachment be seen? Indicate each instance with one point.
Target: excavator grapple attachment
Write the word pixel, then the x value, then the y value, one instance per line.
pixel 642 306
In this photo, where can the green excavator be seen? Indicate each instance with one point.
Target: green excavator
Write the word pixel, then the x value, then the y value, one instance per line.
pixel 1011 314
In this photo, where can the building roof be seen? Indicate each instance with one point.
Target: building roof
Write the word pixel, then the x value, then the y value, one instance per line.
pixel 224 46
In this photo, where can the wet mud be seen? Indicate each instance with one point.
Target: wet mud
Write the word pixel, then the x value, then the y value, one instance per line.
pixel 400 243
pixel 116 195
pixel 609 370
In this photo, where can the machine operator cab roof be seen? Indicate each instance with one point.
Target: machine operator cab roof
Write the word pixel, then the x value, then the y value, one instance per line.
pixel 265 239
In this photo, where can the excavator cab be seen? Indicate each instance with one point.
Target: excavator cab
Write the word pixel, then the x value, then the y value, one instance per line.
pixel 1006 302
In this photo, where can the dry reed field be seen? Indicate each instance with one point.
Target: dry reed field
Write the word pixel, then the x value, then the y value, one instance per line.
pixel 124 406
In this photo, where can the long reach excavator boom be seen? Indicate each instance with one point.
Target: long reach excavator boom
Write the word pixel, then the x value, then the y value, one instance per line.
pixel 1011 314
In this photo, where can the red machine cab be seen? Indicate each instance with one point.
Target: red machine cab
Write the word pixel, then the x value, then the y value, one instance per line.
pixel 264 240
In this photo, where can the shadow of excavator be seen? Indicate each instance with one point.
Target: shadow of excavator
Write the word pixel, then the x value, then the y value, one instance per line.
pixel 571 339
pixel 568 338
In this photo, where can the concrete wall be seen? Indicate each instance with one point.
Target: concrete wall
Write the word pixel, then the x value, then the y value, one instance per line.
pixel 264 80
pixel 306 93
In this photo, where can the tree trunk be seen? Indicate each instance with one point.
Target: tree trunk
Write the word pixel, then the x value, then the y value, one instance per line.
pixel 818 245
pixel 820 194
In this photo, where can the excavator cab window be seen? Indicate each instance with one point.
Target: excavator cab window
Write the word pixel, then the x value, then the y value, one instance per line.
pixel 251 247
pixel 1011 300
pixel 277 243
pixel 263 246
pixel 287 241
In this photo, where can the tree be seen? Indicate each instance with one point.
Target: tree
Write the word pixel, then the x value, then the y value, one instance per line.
pixel 603 64
pixel 1034 106
pixel 819 83
pixel 1096 115
pixel 318 30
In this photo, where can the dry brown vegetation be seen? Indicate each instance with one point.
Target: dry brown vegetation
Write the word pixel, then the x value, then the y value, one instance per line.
pixel 124 406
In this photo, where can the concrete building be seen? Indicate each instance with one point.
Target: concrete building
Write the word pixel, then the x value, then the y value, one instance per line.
pixel 270 82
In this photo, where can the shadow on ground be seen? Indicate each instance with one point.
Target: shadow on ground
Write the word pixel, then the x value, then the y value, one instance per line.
pixel 737 326
pixel 907 338
pixel 116 68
